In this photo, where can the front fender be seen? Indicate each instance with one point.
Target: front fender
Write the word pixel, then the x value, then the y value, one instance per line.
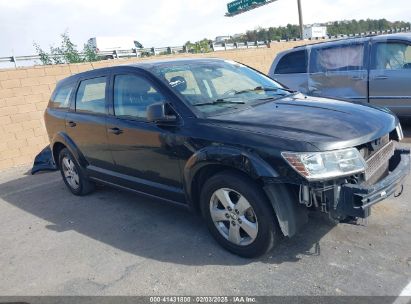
pixel 245 161
pixel 64 139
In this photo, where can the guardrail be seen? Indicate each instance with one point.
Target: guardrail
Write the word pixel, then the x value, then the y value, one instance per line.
pixel 214 47
pixel 240 45
pixel 105 54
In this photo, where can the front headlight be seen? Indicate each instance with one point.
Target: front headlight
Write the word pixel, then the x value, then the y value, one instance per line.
pixel 323 165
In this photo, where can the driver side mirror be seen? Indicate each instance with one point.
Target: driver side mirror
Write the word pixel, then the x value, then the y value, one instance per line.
pixel 161 113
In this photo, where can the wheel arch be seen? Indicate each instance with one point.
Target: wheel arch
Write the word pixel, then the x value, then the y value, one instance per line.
pixel 212 160
pixel 61 141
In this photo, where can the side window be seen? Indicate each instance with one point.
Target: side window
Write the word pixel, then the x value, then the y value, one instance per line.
pixel 392 56
pixel 292 63
pixel 61 98
pixel 341 58
pixel 132 95
pixel 91 96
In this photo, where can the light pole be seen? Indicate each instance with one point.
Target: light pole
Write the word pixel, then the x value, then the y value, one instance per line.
pixel 300 17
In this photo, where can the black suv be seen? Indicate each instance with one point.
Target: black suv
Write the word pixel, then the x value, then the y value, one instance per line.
pixel 223 139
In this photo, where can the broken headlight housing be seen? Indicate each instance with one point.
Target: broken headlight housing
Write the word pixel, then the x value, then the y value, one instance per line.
pixel 325 165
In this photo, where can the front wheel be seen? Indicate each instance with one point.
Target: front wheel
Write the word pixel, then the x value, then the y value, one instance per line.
pixel 238 214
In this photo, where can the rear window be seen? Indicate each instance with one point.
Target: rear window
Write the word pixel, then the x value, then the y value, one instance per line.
pixel 91 96
pixel 61 97
pixel 292 63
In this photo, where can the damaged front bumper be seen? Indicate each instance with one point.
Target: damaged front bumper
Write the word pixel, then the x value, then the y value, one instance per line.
pixel 356 199
pixel 44 161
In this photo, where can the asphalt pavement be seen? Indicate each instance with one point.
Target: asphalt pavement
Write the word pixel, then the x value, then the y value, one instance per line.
pixel 117 243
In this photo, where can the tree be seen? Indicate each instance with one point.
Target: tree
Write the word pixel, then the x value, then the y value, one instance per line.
pixel 202 46
pixel 66 53
pixel 90 53
pixel 361 26
pixel 69 50
pixel 44 57
pixel 345 27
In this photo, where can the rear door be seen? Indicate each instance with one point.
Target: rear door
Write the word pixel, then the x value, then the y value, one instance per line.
pixel 291 70
pixel 390 76
pixel 85 122
pixel 339 70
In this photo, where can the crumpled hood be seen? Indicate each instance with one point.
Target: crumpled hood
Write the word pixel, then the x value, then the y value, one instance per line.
pixel 325 123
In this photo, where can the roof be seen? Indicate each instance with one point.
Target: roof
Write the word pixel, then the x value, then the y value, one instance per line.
pixel 157 62
pixel 400 36
pixel 146 65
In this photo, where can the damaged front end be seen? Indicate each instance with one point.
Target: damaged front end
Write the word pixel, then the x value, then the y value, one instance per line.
pixel 44 161
pixel 352 196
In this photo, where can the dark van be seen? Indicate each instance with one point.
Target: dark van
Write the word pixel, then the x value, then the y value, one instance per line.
pixel 375 70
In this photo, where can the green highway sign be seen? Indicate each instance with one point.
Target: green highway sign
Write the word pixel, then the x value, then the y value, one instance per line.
pixel 240 6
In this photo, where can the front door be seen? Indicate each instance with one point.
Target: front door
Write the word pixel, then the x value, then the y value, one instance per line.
pixel 144 154
pixel 390 76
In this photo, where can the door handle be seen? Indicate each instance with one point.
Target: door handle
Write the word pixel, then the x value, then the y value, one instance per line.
pixel 71 124
pixel 115 131
pixel 357 77
pixel 380 77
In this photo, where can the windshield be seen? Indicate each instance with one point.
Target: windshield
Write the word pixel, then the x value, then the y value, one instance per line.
pixel 217 86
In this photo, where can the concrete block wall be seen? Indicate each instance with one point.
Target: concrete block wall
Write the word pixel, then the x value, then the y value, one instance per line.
pixel 24 94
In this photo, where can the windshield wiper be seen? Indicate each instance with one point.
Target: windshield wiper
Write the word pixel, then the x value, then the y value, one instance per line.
pixel 259 88
pixel 218 101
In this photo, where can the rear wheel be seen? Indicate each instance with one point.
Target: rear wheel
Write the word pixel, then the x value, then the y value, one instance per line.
pixel 238 214
pixel 73 175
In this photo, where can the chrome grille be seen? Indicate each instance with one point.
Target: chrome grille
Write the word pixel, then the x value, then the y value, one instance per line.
pixel 374 146
pixel 379 159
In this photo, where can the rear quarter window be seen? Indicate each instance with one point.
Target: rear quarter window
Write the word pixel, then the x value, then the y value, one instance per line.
pixel 292 63
pixel 61 97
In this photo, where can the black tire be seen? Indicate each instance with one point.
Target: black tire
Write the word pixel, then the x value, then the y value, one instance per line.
pixel 84 185
pixel 268 229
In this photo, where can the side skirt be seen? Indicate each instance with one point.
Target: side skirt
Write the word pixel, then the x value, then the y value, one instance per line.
pixel 179 204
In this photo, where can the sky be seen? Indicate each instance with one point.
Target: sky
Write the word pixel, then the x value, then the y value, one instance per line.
pixel 162 23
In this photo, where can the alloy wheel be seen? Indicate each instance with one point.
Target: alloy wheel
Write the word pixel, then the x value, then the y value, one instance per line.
pixel 233 216
pixel 70 173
